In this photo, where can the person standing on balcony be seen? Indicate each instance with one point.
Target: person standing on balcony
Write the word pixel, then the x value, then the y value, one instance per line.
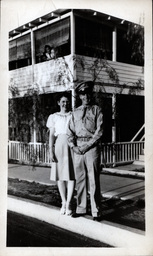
pixel 84 133
pixel 61 154
pixel 49 53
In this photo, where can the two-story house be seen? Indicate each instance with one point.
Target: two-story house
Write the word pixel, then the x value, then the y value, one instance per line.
pixel 87 45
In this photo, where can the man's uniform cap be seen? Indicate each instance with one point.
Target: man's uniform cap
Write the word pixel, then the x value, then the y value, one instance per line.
pixel 84 86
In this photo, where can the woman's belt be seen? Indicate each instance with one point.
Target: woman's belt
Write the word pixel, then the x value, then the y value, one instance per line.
pixel 84 138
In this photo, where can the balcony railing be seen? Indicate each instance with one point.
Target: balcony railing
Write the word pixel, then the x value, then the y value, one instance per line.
pixel 111 154
pixel 58 75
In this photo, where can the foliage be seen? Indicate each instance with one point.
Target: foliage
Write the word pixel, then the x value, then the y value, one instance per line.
pixel 13 88
pixel 135 36
pixel 136 87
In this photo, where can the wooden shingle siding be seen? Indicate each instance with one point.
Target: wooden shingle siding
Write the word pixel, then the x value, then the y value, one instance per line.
pixel 127 74
pixel 59 75
pixel 47 76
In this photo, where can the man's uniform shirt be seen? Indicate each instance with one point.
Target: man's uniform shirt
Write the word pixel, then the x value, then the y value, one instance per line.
pixel 85 123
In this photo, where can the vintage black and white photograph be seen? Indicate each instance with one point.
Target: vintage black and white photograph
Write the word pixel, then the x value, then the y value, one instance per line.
pixel 77 91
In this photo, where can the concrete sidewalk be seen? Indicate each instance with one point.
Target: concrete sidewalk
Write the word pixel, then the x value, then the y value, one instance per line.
pixel 112 185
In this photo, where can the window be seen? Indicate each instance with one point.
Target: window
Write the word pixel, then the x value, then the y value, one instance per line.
pixel 55 35
pixel 93 39
pixel 20 52
pixel 125 49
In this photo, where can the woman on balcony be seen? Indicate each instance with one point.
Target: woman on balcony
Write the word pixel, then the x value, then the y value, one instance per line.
pixel 61 154
pixel 49 53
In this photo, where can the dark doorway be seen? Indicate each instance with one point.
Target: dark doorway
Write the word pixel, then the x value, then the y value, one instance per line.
pixel 130 116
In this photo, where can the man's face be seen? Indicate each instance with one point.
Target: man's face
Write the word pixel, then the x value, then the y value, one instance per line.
pixel 85 98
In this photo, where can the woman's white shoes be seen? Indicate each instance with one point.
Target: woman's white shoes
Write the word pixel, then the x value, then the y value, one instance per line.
pixel 68 212
pixel 66 209
pixel 63 209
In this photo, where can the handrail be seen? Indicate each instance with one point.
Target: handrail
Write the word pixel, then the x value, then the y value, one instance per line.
pixel 142 138
pixel 138 133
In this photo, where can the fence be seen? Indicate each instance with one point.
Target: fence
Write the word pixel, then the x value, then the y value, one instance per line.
pixel 121 152
pixel 29 152
pixel 111 153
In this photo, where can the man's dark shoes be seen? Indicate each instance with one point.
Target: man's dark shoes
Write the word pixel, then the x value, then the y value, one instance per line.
pixel 97 218
pixel 77 215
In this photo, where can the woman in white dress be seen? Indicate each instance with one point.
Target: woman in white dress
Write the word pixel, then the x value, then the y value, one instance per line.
pixel 61 153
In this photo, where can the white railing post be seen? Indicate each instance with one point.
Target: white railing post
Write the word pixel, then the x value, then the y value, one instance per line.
pixel 34 98
pixel 114 44
pixel 72 54
pixel 9 149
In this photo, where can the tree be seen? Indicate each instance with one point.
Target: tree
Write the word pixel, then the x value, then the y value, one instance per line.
pixel 135 36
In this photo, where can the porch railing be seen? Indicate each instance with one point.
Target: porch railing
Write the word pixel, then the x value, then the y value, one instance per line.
pixel 111 154
pixel 28 152
pixel 121 152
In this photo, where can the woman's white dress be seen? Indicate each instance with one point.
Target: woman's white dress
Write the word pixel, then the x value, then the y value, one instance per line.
pixel 63 153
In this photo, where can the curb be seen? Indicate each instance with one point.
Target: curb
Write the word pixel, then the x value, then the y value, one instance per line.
pixel 112 234
pixel 115 171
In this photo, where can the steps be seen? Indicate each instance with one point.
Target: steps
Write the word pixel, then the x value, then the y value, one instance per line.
pixel 141 160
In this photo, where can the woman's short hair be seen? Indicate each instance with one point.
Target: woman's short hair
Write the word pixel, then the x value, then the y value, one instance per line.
pixel 63 94
pixel 47 46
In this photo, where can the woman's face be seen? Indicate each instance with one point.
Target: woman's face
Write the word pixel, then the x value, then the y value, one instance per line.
pixel 64 104
pixel 47 49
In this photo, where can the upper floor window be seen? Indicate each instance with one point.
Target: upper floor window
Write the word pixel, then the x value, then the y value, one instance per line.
pixel 20 52
pixel 125 49
pixel 54 37
pixel 93 39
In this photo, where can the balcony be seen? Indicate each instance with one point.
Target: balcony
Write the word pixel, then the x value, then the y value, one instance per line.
pixel 59 75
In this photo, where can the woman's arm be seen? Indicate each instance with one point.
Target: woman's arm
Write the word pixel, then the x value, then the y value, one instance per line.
pixel 71 136
pixel 51 144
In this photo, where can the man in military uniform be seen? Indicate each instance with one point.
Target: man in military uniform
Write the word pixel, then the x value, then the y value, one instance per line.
pixel 84 132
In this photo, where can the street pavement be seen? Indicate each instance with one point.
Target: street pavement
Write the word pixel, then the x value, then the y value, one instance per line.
pixel 117 182
pixel 25 231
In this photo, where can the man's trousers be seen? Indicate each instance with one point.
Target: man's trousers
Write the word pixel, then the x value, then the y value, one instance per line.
pixel 87 166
